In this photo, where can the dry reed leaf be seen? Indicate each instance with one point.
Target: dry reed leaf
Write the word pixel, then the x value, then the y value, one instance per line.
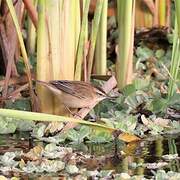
pixel 128 137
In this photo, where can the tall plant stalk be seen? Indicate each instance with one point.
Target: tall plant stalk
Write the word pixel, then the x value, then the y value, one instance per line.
pixel 125 43
pixel 150 13
pixel 31 31
pixel 101 44
pixel 81 44
pixel 94 32
pixel 43 59
pixel 144 13
pixel 175 60
pixel 162 12
pixel 23 49
pixel 58 35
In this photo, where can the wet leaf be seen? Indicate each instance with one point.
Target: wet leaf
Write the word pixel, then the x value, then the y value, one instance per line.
pixel 170 156
pixel 73 135
pixel 144 53
pixel 19 104
pixel 7 125
pixel 6 169
pixel 160 53
pixel 174 101
pixel 72 169
pixel 155 128
pixel 84 131
pixel 129 89
pixel 127 123
pixel 25 125
pixel 34 154
pixel 44 166
pixel 52 151
pixel 39 130
pixel 31 167
pixel 54 127
pixel 99 137
pixel 156 165
pixel 105 173
pixel 8 159
pixel 175 124
pixel 159 105
pixel 78 136
pixel 51 147
pixel 170 38
pixel 108 122
pixel 91 173
pixel 141 84
pixel 120 99
pixel 162 122
pixel 134 100
pixel 128 137
pixel 52 166
pixel 58 138
pixel 161 174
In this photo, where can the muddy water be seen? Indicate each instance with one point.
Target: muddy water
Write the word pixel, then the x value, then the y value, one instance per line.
pixel 134 157
pixel 130 158
pixel 15 142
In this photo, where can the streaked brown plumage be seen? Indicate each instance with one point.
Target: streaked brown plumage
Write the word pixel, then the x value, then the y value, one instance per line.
pixel 75 94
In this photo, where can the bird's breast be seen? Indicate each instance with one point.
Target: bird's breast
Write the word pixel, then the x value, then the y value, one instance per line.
pixel 75 102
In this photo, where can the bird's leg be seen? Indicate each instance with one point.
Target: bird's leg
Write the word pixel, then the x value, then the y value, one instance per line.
pixel 68 110
pixel 72 113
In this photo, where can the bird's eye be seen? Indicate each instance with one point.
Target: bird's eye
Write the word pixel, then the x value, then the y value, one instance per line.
pixel 101 93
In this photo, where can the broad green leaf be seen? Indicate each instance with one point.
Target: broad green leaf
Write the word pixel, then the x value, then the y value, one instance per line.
pixel 7 125
pixel 20 104
pixel 144 53
pixel 159 53
pixel 78 135
pixel 39 130
pixel 127 124
pixel 141 84
pixel 129 89
pixel 174 100
pixel 25 125
pixel 8 159
pixel 100 137
pixel 159 105
pixel 72 169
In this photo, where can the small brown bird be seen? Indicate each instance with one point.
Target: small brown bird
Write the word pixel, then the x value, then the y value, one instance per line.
pixel 75 94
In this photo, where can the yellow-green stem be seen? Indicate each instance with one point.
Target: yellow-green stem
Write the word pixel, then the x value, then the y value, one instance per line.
pixel 95 27
pixel 81 44
pixel 162 12
pixel 101 44
pixel 175 60
pixel 125 42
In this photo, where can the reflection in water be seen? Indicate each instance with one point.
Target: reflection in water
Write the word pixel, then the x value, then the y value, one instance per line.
pixel 15 142
pixel 159 147
pixel 139 153
pixel 130 158
pixel 139 170
pixel 174 165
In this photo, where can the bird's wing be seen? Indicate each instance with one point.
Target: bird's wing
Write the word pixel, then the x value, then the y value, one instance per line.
pixel 67 87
